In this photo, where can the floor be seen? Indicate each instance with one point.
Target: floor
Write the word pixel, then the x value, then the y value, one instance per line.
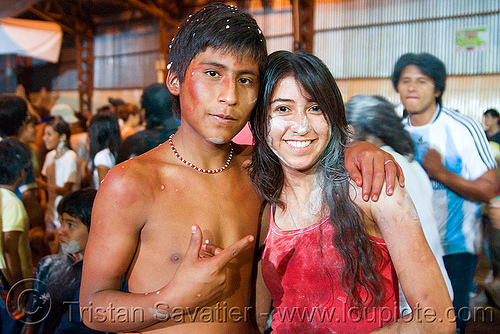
pixel 486 319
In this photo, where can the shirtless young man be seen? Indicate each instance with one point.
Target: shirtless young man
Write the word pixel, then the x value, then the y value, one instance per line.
pixel 146 206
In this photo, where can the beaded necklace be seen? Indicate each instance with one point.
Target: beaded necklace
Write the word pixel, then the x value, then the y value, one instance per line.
pixel 208 171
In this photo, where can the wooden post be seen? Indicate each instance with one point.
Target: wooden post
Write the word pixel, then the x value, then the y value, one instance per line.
pixel 303 25
pixel 85 65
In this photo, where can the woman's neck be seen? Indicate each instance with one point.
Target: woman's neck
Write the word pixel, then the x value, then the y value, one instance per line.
pixel 61 149
pixel 298 186
pixel 303 199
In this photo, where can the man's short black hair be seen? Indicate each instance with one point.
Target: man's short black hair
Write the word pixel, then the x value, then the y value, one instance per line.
pixel 218 26
pixel 14 157
pixel 13 112
pixel 492 112
pixel 78 204
pixel 430 65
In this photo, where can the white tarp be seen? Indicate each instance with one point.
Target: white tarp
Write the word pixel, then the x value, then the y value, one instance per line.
pixel 31 38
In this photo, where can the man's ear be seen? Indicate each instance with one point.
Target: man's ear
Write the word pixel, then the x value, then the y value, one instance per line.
pixel 172 83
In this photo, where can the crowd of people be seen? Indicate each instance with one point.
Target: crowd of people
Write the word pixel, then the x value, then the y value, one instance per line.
pixel 336 208
pixel 46 158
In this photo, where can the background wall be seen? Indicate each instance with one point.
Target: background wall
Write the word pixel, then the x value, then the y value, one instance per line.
pixel 362 39
pixel 359 40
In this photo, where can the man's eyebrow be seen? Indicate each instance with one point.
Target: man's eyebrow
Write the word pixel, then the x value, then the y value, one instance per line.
pixel 249 71
pixel 416 77
pixel 215 64
pixel 224 67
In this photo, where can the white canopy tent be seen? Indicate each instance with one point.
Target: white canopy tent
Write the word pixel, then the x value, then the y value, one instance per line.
pixel 31 38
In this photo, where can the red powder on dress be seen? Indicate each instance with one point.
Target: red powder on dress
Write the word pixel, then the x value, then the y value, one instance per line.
pixel 302 270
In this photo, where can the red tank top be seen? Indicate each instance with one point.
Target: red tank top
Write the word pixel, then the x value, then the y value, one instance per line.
pixel 302 270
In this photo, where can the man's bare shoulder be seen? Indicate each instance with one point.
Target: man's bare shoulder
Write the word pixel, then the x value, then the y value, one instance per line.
pixel 132 186
pixel 136 179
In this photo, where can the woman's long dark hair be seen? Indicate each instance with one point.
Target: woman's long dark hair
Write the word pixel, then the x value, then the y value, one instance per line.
pixel 104 132
pixel 350 238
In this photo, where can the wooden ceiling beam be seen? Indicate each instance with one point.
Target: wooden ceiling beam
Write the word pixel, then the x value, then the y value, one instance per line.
pixel 153 11
pixel 51 19
pixel 71 18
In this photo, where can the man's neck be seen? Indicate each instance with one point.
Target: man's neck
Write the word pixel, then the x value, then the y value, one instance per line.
pixel 195 149
pixel 423 118
pixel 493 130
pixel 8 187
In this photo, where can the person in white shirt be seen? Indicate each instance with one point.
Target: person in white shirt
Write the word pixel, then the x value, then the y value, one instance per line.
pixel 373 119
pixel 454 151
pixel 59 172
pixel 105 140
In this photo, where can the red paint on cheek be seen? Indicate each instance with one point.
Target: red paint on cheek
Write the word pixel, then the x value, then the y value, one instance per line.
pixel 193 95
pixel 198 90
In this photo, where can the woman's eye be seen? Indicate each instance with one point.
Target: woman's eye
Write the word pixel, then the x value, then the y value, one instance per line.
pixel 282 109
pixel 315 109
pixel 212 73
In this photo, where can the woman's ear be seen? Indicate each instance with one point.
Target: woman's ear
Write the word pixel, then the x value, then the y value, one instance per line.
pixel 172 83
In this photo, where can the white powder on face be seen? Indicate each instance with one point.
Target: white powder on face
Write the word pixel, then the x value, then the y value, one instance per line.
pixel 71 247
pixel 276 124
pixel 215 140
pixel 279 125
pixel 303 128
pixel 281 158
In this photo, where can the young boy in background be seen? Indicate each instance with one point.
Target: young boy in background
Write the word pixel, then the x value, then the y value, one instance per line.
pixel 53 303
pixel 15 255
